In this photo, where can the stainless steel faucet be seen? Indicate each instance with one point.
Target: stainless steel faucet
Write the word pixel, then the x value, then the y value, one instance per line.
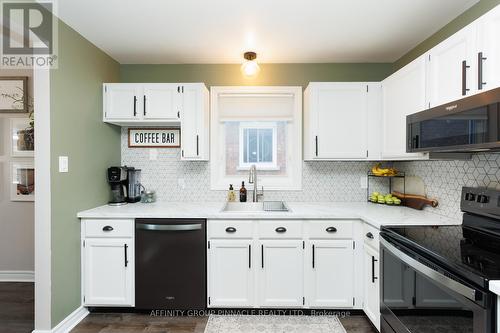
pixel 252 179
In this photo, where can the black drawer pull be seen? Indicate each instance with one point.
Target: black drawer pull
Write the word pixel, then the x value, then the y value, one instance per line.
pixel 280 230
pixel 230 230
pixel 331 229
pixel 369 235
pixel 107 228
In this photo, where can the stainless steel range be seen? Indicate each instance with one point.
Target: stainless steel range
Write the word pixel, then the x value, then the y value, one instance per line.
pixel 436 278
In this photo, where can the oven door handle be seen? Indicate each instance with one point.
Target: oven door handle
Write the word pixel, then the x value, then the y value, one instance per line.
pixel 168 227
pixel 430 273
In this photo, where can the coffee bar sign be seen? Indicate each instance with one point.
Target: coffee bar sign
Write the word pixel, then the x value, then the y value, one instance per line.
pixel 154 137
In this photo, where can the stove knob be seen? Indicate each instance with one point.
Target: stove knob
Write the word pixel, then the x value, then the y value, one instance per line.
pixel 483 199
pixel 470 196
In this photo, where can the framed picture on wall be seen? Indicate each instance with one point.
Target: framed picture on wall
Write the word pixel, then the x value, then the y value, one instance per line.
pixel 22 138
pixel 22 184
pixel 13 94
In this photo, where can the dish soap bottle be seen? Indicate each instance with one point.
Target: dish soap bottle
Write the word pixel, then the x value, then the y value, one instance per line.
pixel 231 196
pixel 243 193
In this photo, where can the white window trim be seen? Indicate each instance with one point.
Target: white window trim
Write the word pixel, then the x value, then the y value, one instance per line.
pixel 260 165
pixel 292 181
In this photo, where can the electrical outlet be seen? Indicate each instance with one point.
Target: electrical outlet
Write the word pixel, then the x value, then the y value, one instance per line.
pixel 63 164
pixel 153 154
pixel 363 182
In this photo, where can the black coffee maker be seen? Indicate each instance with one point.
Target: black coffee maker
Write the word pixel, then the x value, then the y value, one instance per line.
pixel 117 179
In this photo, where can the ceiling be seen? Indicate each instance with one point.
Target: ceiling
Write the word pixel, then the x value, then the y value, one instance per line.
pixel 280 31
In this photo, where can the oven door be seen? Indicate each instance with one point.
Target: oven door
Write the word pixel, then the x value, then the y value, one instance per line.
pixel 419 299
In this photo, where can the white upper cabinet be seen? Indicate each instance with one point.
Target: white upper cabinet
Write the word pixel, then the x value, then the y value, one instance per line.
pixel 161 101
pixel 194 122
pixel 336 120
pixel 488 55
pixel 121 101
pixel 452 68
pixel 403 93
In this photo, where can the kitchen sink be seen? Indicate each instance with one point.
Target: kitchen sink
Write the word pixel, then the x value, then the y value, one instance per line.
pixel 265 206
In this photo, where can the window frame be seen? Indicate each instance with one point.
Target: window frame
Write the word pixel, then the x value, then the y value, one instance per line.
pixel 292 179
pixel 242 165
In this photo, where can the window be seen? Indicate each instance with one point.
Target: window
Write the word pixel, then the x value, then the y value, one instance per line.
pixel 259 126
pixel 258 146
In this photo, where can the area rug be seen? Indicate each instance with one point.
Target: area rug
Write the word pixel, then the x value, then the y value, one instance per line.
pixel 274 324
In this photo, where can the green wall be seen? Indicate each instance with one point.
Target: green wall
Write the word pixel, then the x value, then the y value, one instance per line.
pixel 461 21
pixel 77 131
pixel 270 74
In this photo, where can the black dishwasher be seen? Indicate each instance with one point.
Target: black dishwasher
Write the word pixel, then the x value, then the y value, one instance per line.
pixel 170 270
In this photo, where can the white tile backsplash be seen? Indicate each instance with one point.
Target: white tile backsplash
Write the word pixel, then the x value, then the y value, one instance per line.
pixel 176 180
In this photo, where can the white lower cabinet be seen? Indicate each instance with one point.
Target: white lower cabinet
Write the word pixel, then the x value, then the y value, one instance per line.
pixel 371 283
pixel 331 274
pixel 281 277
pixel 230 273
pixel 109 272
pixel 108 262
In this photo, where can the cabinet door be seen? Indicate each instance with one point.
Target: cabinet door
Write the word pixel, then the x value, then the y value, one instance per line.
pixel 403 93
pixel 371 304
pixel 194 122
pixel 339 120
pixel 230 273
pixel 281 278
pixel 331 274
pixel 488 56
pixel 109 272
pixel 161 101
pixel 122 101
pixel 452 67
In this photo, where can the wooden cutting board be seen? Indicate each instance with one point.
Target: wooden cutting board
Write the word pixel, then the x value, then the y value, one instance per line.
pixel 415 201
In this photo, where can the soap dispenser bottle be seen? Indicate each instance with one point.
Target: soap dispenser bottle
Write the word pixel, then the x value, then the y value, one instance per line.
pixel 231 195
pixel 243 193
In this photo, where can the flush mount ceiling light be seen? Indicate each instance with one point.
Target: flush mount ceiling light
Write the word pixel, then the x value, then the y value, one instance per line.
pixel 250 68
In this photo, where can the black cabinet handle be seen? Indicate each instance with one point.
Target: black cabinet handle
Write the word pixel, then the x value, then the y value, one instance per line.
pixel 316 139
pixel 144 105
pixel 197 145
pixel 230 230
pixel 249 256
pixel 262 255
pixel 331 229
pixel 135 106
pixel 178 114
pixel 480 61
pixel 369 235
pixel 464 78
pixel 182 89
pixel 313 255
pixel 178 89
pixel 373 269
pixel 126 254
pixel 280 230
pixel 107 228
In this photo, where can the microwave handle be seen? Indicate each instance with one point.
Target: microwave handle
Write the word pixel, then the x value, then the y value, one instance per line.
pixel 430 273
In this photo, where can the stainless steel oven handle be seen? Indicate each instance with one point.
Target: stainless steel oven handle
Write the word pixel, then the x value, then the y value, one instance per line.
pixel 430 273
pixel 168 227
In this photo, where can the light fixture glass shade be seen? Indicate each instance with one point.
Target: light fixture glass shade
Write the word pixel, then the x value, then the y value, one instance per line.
pixel 250 68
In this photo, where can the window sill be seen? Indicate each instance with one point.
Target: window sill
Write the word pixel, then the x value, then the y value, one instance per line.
pixel 259 168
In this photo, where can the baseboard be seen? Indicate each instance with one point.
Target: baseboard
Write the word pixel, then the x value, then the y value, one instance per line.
pixel 68 323
pixel 17 276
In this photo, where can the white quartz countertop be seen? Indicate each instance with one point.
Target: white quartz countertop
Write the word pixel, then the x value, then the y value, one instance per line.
pixel 495 286
pixel 376 215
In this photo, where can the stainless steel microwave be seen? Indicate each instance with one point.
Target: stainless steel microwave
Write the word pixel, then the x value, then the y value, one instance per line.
pixel 467 125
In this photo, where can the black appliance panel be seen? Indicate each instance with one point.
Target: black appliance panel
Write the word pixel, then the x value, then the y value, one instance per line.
pixel 170 264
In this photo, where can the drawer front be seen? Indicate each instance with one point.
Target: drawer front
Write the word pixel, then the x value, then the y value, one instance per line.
pixel 331 229
pixel 371 236
pixel 110 228
pixel 278 229
pixel 230 229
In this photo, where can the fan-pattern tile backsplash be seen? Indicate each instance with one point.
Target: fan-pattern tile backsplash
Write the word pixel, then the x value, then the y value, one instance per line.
pixel 176 180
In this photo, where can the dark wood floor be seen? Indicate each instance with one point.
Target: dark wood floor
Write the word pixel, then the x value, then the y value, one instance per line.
pixel 135 323
pixel 17 307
